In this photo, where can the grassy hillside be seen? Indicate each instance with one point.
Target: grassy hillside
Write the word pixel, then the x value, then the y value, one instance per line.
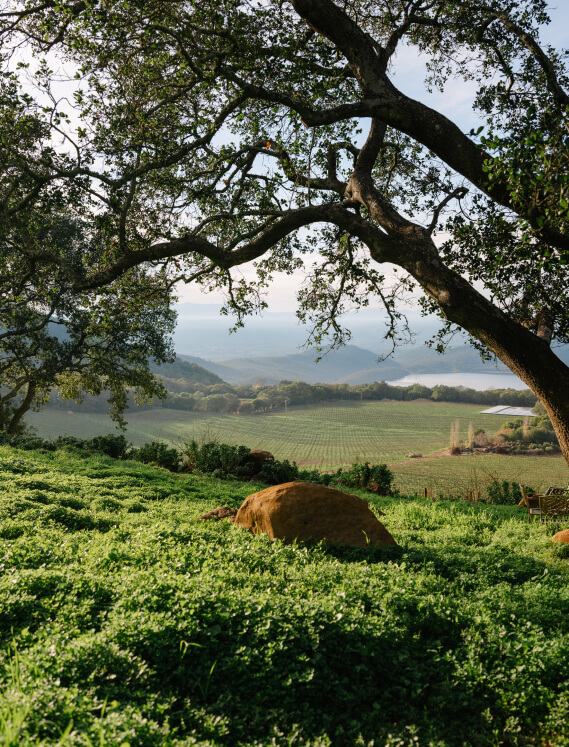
pixel 184 372
pixel 336 434
pixel 123 620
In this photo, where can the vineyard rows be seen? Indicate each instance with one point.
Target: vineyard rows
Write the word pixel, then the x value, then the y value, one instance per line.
pixel 328 436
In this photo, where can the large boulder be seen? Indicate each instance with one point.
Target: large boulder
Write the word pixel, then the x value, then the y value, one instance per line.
pixel 305 511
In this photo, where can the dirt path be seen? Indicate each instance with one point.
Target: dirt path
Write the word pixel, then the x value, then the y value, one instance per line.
pixel 446 452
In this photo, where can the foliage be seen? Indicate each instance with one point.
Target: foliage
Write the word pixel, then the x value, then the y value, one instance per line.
pixel 111 445
pixel 158 453
pixel 76 342
pixel 212 456
pixel 504 493
pixel 534 430
pixel 276 472
pixel 199 139
pixel 110 634
pixel 362 476
pixel 224 461
pixel 184 394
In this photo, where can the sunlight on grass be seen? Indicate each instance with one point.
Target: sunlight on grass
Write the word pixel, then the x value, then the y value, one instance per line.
pixel 123 620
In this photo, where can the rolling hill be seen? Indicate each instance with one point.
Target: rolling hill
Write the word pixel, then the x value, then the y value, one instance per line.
pixel 349 365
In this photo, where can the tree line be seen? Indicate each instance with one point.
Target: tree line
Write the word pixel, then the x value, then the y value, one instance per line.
pixel 224 398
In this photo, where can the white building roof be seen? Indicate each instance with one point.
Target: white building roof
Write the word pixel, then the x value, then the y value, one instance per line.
pixel 514 412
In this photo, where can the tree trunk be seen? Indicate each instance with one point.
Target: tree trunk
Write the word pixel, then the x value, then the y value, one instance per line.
pixel 524 353
pixel 25 405
pixel 411 246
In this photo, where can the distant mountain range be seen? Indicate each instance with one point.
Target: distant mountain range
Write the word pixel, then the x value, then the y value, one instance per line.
pixel 349 365
pixel 203 333
pixel 266 350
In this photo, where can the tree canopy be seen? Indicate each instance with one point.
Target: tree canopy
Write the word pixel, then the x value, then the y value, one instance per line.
pixel 200 137
pixel 51 337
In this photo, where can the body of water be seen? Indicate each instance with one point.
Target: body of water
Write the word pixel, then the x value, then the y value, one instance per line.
pixel 478 381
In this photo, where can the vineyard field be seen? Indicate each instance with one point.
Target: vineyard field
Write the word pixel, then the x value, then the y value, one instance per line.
pixel 329 436
pixel 459 476
pixel 322 436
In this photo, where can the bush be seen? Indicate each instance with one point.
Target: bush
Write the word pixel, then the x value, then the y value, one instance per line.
pixel 223 461
pixel 277 472
pixel 215 457
pixel 362 475
pixel 111 445
pixel 314 476
pixel 504 493
pixel 69 442
pixel 26 443
pixel 158 453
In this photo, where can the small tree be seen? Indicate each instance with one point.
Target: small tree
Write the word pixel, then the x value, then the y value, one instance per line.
pixel 77 342
pixel 471 437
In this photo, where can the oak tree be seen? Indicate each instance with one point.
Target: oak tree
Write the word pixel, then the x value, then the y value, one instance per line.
pixel 205 136
pixel 75 342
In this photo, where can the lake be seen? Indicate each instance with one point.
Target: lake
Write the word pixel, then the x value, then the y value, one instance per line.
pixel 478 381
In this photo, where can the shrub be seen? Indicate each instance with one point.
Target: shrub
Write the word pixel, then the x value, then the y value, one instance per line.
pixel 26 443
pixel 362 475
pixel 158 453
pixel 69 442
pixel 314 476
pixel 222 459
pixel 111 445
pixel 504 493
pixel 277 472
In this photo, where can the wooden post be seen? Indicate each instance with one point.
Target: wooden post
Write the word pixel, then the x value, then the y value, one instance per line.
pixel 425 493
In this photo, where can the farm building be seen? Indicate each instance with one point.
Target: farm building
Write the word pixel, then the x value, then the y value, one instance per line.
pixel 514 412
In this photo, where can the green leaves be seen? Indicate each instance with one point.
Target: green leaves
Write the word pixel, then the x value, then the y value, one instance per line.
pixel 162 629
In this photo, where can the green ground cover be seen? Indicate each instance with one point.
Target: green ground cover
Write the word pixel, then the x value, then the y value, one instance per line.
pixel 124 620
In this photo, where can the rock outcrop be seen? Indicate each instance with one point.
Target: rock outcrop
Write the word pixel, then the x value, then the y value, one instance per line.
pixel 305 511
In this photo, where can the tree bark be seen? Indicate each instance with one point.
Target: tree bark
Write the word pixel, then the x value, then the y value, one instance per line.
pixel 523 352
pixel 25 405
